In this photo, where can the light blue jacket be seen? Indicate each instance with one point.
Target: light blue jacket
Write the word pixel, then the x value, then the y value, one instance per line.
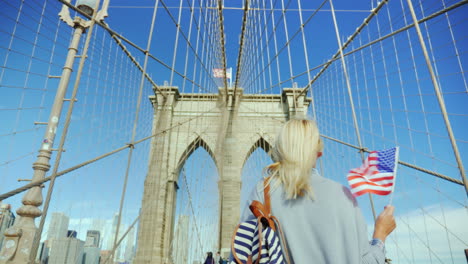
pixel 327 230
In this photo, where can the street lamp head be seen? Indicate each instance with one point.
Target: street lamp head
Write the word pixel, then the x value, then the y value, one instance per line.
pixel 87 6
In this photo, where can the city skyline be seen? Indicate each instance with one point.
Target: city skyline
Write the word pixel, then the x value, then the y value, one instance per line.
pixel 82 227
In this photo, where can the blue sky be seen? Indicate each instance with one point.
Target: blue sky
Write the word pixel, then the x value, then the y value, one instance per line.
pixel 393 95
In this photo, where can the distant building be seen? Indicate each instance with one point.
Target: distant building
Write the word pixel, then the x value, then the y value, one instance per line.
pixel 101 226
pixel 67 250
pixel 44 253
pixel 110 241
pixel 91 255
pixel 92 252
pixel 129 253
pixel 180 244
pixel 93 238
pixel 58 226
pixel 58 230
pixel 7 218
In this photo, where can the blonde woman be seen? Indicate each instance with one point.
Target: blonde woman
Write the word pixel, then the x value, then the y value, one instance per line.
pixel 320 218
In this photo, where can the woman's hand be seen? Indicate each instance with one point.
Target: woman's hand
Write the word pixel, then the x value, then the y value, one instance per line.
pixel 385 223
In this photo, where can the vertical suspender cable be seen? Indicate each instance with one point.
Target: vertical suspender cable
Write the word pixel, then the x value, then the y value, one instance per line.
pixel 350 95
pixel 306 57
pixel 241 45
pixel 192 12
pixel 176 45
pixel 286 34
pixel 223 46
pixel 440 97
pixel 135 123
pixel 266 41
pixel 366 21
pixel 274 40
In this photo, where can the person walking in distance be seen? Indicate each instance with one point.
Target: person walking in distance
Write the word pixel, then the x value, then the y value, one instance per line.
pixel 218 259
pixel 209 258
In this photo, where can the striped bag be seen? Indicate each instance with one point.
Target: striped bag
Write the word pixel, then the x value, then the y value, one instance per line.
pixel 248 247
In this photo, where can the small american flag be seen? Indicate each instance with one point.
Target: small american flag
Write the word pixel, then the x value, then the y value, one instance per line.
pixel 219 73
pixel 377 174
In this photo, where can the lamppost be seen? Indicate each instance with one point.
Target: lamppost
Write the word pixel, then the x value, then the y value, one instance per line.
pixel 20 244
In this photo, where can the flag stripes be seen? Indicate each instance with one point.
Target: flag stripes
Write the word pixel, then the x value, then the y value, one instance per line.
pixel 376 175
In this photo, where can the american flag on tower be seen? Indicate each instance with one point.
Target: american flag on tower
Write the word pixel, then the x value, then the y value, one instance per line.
pixel 219 73
pixel 377 174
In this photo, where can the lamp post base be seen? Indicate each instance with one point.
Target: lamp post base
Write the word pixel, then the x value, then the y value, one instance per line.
pixel 18 242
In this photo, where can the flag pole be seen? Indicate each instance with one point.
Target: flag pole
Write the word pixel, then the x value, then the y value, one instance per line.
pixel 230 77
pixel 397 155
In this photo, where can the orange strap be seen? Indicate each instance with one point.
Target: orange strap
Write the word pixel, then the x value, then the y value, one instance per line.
pixel 266 195
pixel 263 210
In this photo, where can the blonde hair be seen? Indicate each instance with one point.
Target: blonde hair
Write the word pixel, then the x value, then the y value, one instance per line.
pixel 295 154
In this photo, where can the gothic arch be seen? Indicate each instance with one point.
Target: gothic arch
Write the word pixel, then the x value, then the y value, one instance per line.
pixel 198 142
pixel 262 143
